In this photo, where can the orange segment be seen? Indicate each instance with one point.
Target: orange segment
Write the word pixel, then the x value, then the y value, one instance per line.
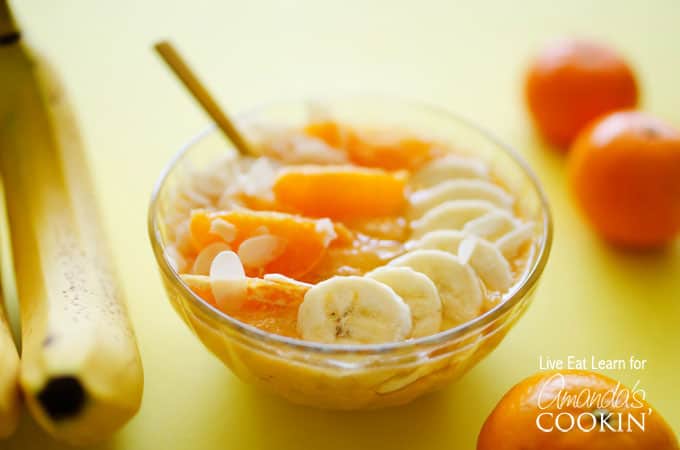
pixel 270 305
pixel 374 150
pixel 305 240
pixel 332 133
pixel 407 153
pixel 341 192
pixel 263 293
pixel 199 229
pixel 200 285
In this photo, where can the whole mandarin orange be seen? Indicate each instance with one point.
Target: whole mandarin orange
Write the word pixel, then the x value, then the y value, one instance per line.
pixel 572 82
pixel 625 173
pixel 588 407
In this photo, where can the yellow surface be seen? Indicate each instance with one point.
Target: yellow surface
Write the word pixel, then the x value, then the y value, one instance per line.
pixel 468 57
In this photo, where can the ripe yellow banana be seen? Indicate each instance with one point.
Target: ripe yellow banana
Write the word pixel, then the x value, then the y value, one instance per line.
pixel 80 372
pixel 9 378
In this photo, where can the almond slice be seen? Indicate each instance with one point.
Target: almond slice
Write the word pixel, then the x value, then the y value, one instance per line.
pixel 205 257
pixel 226 230
pixel 228 281
pixel 260 250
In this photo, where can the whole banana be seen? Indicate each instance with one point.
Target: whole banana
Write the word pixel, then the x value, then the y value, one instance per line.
pixel 81 373
pixel 9 378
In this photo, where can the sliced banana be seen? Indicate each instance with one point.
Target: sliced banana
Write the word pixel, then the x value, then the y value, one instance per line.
pixel 462 189
pixel 445 240
pixel 510 243
pixel 492 225
pixel 458 286
pixel 451 215
pixel 487 261
pixel 353 310
pixel 418 292
pixel 447 168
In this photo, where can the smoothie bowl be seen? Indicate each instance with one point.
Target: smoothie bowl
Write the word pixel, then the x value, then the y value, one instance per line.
pixel 373 251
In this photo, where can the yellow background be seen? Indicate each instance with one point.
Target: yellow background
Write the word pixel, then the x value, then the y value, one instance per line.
pixel 467 56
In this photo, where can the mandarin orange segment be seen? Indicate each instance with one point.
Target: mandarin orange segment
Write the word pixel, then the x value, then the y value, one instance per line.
pixel 304 240
pixel 200 285
pixel 332 133
pixel 269 305
pixel 199 229
pixel 262 293
pixel 341 192
pixel 370 150
pixel 272 306
pixel 407 153
pixel 273 319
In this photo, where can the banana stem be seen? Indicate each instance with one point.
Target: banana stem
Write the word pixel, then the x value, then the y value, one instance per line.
pixel 9 32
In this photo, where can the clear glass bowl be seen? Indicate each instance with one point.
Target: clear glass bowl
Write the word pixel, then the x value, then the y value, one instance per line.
pixel 354 376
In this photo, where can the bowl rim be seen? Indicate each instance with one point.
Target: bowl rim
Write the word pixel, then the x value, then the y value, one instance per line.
pixel 510 299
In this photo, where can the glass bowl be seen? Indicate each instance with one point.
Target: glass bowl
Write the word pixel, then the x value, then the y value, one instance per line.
pixel 353 376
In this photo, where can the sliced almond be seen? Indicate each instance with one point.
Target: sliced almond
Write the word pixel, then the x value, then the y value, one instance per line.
pixel 228 281
pixel 205 257
pixel 260 250
pixel 226 230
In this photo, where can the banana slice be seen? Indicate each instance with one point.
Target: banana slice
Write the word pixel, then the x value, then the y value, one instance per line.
pixel 492 225
pixel 447 168
pixel 451 215
pixel 510 243
pixel 353 310
pixel 487 261
pixel 418 292
pixel 463 189
pixel 458 286
pixel 445 240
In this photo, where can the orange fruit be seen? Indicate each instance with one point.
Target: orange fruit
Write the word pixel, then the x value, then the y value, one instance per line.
pixel 305 241
pixel 625 173
pixel 572 82
pixel 574 410
pixel 341 192
pixel 377 150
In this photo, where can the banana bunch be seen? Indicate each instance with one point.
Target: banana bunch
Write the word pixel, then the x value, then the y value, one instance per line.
pixel 80 370
pixel 464 235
